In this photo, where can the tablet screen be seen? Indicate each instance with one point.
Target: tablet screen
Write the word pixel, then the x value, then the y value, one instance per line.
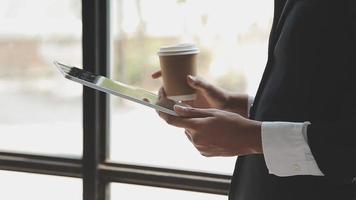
pixel 129 92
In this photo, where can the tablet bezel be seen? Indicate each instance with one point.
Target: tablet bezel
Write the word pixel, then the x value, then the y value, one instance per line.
pixel 64 70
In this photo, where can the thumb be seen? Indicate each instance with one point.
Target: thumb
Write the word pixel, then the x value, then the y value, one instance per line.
pixel 208 90
pixel 193 112
pixel 198 83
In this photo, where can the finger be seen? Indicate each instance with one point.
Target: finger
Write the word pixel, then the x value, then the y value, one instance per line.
pixel 190 112
pixel 162 97
pixel 204 87
pixel 198 83
pixel 202 148
pixel 207 154
pixel 178 121
pixel 216 154
pixel 162 93
pixel 188 135
pixel 156 74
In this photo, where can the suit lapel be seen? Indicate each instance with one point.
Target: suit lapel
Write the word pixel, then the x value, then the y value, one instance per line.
pixel 275 33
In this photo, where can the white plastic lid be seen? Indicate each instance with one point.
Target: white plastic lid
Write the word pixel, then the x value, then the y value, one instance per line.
pixel 179 49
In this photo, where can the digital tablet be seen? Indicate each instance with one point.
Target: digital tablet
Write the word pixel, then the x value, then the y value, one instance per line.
pixel 116 88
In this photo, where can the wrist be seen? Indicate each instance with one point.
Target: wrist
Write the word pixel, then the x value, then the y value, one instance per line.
pixel 255 143
pixel 237 103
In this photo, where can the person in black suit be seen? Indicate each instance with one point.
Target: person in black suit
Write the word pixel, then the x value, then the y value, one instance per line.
pixel 298 140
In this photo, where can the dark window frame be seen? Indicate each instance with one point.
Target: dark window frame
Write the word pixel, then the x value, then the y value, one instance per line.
pixel 96 171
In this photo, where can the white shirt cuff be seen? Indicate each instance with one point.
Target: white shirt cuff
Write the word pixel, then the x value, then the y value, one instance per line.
pixel 286 150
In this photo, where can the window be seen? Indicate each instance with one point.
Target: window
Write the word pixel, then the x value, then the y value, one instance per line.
pixel 40 111
pixel 61 133
pixel 16 185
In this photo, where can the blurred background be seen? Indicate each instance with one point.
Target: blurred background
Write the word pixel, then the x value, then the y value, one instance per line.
pixel 41 112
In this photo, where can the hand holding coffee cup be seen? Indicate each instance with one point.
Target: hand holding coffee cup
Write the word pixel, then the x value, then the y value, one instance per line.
pixel 177 62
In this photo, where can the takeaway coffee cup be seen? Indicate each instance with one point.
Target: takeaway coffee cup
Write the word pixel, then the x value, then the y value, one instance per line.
pixel 177 62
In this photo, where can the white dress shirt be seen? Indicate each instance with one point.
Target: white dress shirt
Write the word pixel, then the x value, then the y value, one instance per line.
pixel 286 150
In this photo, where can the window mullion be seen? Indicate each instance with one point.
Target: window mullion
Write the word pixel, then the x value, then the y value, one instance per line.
pixel 96 116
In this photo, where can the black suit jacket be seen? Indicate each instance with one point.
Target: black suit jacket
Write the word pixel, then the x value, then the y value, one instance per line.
pixel 310 76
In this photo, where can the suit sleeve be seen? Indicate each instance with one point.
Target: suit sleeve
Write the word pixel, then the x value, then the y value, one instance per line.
pixel 333 142
pixel 333 145
pixel 331 65
pixel 351 6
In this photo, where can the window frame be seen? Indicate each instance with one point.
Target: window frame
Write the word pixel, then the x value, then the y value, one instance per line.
pixel 95 170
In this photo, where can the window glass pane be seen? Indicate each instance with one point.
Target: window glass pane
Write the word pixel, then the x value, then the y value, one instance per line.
pixel 40 110
pixel 133 192
pixel 20 186
pixel 232 36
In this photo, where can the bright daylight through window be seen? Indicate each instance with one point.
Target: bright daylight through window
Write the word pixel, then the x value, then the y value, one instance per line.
pixel 17 185
pixel 43 111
